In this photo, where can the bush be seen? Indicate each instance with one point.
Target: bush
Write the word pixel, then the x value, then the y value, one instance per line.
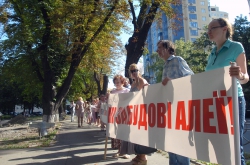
pixel 6 117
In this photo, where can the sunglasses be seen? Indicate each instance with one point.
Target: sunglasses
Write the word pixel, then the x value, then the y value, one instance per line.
pixel 135 70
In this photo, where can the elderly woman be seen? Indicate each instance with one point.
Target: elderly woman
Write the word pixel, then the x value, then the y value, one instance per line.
pixel 80 111
pixel 118 81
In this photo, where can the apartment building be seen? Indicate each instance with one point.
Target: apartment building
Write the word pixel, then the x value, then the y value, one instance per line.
pixel 216 13
pixel 193 14
pixel 195 17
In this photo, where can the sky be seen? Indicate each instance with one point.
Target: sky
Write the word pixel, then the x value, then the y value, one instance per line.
pixel 232 7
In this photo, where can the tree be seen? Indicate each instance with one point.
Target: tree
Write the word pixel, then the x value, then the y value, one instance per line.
pixel 141 25
pixel 201 48
pixel 242 34
pixel 195 54
pixel 56 36
pixel 157 66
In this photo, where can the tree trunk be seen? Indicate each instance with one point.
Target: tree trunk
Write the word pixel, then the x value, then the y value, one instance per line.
pixel 105 84
pixel 52 98
pixel 136 43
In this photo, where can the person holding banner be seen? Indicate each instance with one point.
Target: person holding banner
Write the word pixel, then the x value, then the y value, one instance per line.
pixel 118 81
pixel 174 67
pixel 141 151
pixel 226 51
pixel 127 83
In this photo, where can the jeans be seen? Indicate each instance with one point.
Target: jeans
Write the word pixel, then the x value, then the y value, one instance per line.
pixel 242 109
pixel 175 159
pixel 72 115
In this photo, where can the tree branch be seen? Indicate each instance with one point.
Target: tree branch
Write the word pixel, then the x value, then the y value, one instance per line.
pixel 132 9
pixel 142 15
pixel 99 29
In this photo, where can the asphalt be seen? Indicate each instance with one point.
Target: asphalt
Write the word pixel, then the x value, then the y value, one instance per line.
pixel 75 146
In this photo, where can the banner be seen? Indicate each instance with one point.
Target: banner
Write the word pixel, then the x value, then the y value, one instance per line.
pixel 191 116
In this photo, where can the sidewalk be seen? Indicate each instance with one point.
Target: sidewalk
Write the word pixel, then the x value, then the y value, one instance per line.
pixel 74 146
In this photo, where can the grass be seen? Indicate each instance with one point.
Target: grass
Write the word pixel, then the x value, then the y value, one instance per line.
pixel 34 118
pixel 48 139
pixel 6 117
pixel 247 158
pixel 30 140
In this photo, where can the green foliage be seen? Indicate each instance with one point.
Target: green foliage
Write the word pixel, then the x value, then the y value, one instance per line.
pixel 157 66
pixel 48 42
pixel 201 48
pixel 242 34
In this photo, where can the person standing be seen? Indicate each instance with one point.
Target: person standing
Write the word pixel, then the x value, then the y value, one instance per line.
pixel 118 81
pixel 141 151
pixel 92 108
pixel 226 51
pixel 127 83
pixel 174 67
pixel 80 111
pixel 72 110
pixel 100 107
pixel 88 112
pixel 97 115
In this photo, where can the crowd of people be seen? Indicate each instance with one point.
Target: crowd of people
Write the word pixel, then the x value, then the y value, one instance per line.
pixel 87 112
pixel 225 51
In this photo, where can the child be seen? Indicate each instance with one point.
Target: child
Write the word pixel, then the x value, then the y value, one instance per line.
pixel 88 113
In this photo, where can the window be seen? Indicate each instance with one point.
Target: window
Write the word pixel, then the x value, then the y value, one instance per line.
pixel 194 32
pixel 203 10
pixel 160 36
pixel 202 3
pixel 213 9
pixel 193 16
pixel 192 8
pixel 193 24
pixel 193 39
pixel 191 1
pixel 203 18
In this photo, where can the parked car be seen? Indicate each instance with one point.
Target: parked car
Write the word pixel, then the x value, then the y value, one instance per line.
pixel 13 113
pixel 67 112
pixel 37 113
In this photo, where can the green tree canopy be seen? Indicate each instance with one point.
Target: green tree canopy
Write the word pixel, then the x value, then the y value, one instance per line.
pixel 54 39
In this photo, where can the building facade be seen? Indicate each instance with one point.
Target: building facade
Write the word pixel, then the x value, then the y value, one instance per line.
pixel 216 13
pixel 194 16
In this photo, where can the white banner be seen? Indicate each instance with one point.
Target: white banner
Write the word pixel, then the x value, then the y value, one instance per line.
pixel 190 116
